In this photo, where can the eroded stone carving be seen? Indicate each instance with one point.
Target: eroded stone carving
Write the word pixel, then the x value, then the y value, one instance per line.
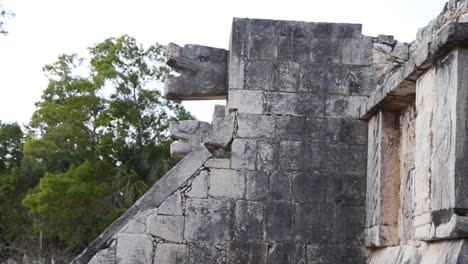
pixel 203 73
pixel 188 135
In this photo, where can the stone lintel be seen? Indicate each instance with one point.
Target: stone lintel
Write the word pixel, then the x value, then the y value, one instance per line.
pixel 399 90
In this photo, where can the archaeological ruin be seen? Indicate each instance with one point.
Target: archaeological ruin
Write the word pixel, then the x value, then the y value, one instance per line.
pixel 333 147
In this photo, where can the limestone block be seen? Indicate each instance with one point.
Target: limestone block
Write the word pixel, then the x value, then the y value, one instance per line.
pixel 267 155
pixel 136 226
pixel 324 50
pixel 247 253
pixel 291 128
pixel 171 254
pixel 136 249
pixel 348 225
pixel 256 185
pixel 262 26
pixel 262 47
pixel 218 163
pixel 310 216
pixel 294 104
pixel 280 186
pixel 248 221
pixel 208 220
pixel 343 107
pixel 243 154
pixel 104 256
pixel 202 253
pixel 246 102
pixel 172 205
pixel 337 131
pixel 227 183
pixel 357 51
pixel 188 135
pixel 339 159
pixel 345 190
pixel 294 155
pixel 199 187
pixel 259 75
pixel 219 114
pixel 170 228
pixel 278 221
pixel 203 73
pixel 293 48
pixel 336 30
pixel 287 77
pixel 222 135
pixel 286 253
pixel 309 187
pixel 255 126
pixel 325 254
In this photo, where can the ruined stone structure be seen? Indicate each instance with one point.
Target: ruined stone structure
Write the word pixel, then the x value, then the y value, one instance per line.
pixel 333 147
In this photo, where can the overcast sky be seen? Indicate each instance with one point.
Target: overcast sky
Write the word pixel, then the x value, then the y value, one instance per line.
pixel 44 29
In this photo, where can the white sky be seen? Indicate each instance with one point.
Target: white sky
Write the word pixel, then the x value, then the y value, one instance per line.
pixel 44 29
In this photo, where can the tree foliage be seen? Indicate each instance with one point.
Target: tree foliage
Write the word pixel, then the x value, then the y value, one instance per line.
pixel 96 142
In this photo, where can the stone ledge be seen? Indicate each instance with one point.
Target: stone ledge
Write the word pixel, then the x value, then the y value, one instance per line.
pixel 399 90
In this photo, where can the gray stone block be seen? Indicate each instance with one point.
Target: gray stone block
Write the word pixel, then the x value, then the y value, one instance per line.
pixel 281 253
pixel 280 186
pixel 208 220
pixel 136 249
pixel 294 155
pixel 170 228
pixel 309 187
pixel 172 205
pixel 336 30
pixel 227 183
pixel 188 135
pixel 136 226
pixel 256 185
pixel 204 253
pixel 356 51
pixel 291 128
pixel 262 47
pixel 348 225
pixel 346 190
pixel 219 113
pixel 294 104
pixel 222 135
pixel 171 254
pixel 324 254
pixel 337 131
pixel 261 26
pixel 199 187
pixel 287 77
pixel 324 51
pixel 293 28
pixel 104 256
pixel 338 159
pixel 218 163
pixel 247 253
pixel 255 126
pixel 243 154
pixel 246 102
pixel 293 48
pixel 259 75
pixel 308 217
pixel 248 221
pixel 278 221
pixel 267 155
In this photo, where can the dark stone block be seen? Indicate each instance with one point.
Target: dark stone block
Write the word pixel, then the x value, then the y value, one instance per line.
pixel 247 253
pixel 325 51
pixel 283 253
pixel 256 185
pixel 262 26
pixel 291 128
pixel 346 190
pixel 280 186
pixel 200 253
pixel 238 37
pixel 348 225
pixel 259 75
pixel 249 221
pixel 348 31
pixel 293 49
pixel 322 30
pixel 267 155
pixel 318 254
pixel 287 77
pixel 313 223
pixel 339 131
pixel 278 222
pixel 339 159
pixel 263 47
pixel 310 187
pixel 294 156
pixel 295 104
pixel 293 28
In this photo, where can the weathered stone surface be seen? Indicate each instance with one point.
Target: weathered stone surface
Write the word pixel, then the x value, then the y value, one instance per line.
pixel 219 114
pixel 170 228
pixel 222 135
pixel 291 128
pixel 136 249
pixel 294 48
pixel 309 187
pixel 262 47
pixel 188 135
pixel 255 126
pixel 249 221
pixel 259 75
pixel 203 73
pixel 267 155
pixel 287 253
pixel 308 218
pixel 256 185
pixel 208 220
pixel 104 256
pixel 280 186
pixel 171 254
pixel 201 253
pixel 218 163
pixel 246 102
pixel 244 152
pixel 247 253
pixel 338 158
pixel 323 254
pixel 337 131
pixel 287 77
pixel 294 104
pixel 137 225
pixel 294 156
pixel 343 107
pixel 199 187
pixel 172 205
pixel 227 183
pixel 278 221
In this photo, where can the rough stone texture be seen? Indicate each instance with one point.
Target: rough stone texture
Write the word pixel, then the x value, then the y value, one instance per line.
pixel 172 205
pixel 199 187
pixel 227 183
pixel 167 227
pixel 136 249
pixel 203 73
pixel 188 135
pixel 171 254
